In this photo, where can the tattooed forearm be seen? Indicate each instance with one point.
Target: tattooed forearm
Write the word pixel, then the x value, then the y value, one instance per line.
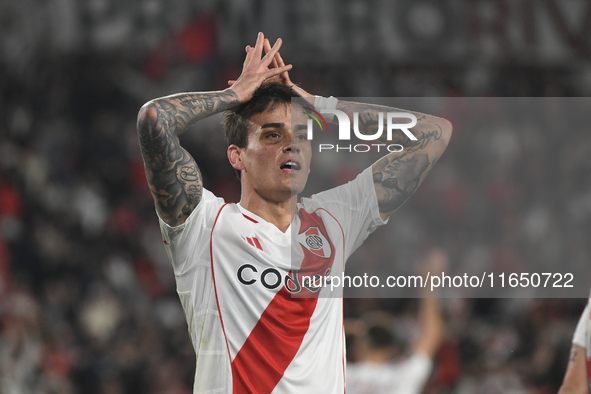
pixel 423 139
pixel 180 111
pixel 173 175
pixel 369 123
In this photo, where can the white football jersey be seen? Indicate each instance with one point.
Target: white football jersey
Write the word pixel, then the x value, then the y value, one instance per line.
pixel 582 336
pixel 256 324
pixel 404 377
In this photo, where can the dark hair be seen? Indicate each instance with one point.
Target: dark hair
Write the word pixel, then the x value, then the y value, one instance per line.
pixel 266 98
pixel 379 337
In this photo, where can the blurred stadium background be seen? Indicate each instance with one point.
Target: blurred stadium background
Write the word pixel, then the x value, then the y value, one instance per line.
pixel 87 296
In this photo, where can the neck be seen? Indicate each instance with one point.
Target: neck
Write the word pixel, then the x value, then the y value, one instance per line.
pixel 278 213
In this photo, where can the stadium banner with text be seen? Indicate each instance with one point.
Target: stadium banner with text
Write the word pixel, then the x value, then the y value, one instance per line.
pixel 508 202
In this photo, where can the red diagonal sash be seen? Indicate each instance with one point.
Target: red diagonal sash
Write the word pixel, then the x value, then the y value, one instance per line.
pixel 276 338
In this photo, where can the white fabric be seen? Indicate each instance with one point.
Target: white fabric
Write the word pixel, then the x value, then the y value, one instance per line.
pixel 404 377
pixel 241 253
pixel 321 103
pixel 582 336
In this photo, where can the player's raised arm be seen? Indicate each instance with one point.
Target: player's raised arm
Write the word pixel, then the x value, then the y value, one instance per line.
pixel 173 175
pixel 397 175
pixel 575 379
pixel 430 315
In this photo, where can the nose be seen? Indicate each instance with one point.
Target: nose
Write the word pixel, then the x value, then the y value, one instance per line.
pixel 291 144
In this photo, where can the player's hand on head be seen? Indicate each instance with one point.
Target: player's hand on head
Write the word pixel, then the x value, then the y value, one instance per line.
pixel 277 62
pixel 283 78
pixel 256 68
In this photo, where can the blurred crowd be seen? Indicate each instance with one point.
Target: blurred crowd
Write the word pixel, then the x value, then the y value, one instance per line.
pixel 87 295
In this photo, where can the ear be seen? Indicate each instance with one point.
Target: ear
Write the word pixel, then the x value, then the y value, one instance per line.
pixel 235 157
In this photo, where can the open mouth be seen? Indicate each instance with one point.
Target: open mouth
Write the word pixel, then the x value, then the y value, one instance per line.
pixel 290 165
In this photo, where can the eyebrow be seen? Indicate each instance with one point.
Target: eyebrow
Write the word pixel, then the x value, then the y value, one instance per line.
pixel 273 125
pixel 281 125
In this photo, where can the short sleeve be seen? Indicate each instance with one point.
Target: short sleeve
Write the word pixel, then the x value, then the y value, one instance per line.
pixel 407 376
pixel 580 337
pixel 416 370
pixel 186 243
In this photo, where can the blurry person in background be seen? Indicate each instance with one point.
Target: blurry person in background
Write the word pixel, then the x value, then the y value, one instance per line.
pixel 576 378
pixel 29 363
pixel 379 369
pixel 20 344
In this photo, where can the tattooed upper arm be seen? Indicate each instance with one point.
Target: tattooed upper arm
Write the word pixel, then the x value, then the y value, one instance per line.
pixel 397 175
pixel 172 174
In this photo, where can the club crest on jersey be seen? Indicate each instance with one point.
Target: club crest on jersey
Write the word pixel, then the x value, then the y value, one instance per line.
pixel 314 241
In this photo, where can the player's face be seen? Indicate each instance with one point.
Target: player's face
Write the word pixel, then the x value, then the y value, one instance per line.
pixel 277 156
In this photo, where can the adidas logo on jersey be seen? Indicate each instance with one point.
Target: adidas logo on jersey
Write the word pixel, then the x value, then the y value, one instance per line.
pixel 253 241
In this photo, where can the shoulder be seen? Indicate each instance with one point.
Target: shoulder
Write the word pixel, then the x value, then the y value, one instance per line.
pixel 354 202
pixel 416 365
pixel 205 213
pixel 361 186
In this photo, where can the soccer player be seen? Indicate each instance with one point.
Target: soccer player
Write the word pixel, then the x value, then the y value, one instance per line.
pixel 576 379
pixel 237 266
